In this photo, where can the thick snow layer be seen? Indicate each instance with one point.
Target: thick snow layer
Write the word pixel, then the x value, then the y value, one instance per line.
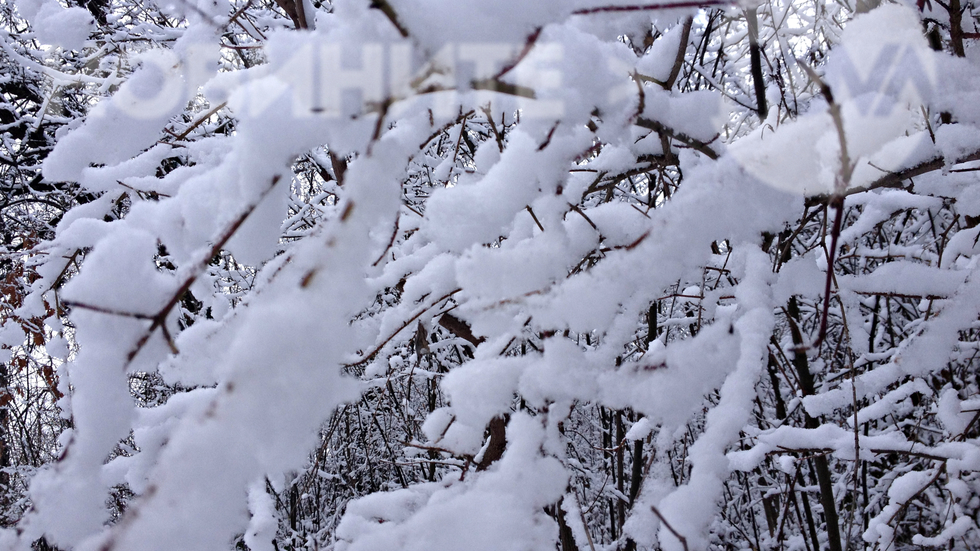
pixel 541 255
pixel 54 24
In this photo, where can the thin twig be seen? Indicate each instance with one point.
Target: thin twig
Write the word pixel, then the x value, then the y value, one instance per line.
pixel 369 356
pixel 694 144
pixel 161 317
pixel 677 535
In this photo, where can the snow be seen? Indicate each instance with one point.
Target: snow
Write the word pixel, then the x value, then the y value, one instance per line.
pixel 709 465
pixel 508 500
pixel 556 278
pixel 479 392
pixel 879 85
pixel 54 24
pixel 640 430
pixel 262 527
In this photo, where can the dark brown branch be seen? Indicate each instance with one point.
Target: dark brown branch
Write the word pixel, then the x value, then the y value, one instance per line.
pixel 878 451
pixel 161 317
pixel 289 6
pixel 667 525
pixel 389 12
pixel 394 234
pixel 837 202
pixel 447 126
pixel 109 311
pixel 821 465
pixel 681 50
pixel 755 59
pixel 533 216
pixel 368 357
pixel 460 328
pixel 532 39
pixel 498 442
pixel 895 179
pixel 494 85
pixel 583 215
pixel 493 126
pixel 694 144
pixel 956 27
pixel 652 7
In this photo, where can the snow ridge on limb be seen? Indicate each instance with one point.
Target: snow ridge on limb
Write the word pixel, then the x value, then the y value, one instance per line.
pixel 684 507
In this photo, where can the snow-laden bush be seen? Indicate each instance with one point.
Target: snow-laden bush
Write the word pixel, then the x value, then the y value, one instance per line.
pixel 428 275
